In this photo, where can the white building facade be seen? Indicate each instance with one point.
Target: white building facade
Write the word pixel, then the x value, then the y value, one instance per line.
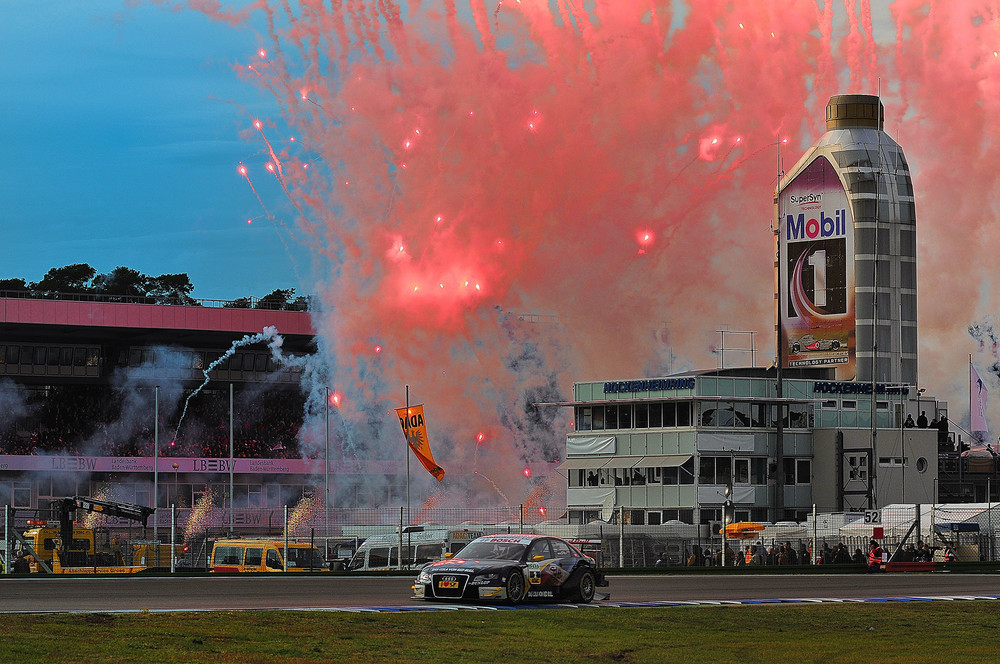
pixel 665 449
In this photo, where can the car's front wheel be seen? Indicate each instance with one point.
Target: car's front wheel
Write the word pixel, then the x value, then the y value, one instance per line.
pixel 515 586
pixel 586 586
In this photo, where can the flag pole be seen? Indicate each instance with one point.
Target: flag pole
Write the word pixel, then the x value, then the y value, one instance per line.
pixel 407 452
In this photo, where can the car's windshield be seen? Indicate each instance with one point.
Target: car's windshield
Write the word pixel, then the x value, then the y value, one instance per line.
pixel 487 550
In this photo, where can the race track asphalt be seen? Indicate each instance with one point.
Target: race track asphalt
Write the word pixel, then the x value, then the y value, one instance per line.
pixel 302 591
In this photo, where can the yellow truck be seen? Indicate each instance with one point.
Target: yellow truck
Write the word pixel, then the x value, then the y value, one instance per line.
pixel 68 549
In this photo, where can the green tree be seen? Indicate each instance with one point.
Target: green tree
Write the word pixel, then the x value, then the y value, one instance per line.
pixel 123 282
pixel 69 279
pixel 14 286
pixel 172 289
pixel 277 299
pixel 238 303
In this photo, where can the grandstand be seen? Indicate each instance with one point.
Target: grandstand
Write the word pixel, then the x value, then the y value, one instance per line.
pixel 83 380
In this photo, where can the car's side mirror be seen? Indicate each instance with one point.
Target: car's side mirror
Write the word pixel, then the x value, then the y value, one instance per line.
pixel 537 558
pixel 448 555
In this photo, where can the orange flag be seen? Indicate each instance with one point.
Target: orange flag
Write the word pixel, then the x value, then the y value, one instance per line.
pixel 415 431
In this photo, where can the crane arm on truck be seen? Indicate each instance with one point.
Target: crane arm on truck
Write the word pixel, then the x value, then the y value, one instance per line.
pixel 68 506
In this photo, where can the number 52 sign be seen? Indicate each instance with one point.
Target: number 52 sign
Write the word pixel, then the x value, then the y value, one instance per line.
pixel 873 516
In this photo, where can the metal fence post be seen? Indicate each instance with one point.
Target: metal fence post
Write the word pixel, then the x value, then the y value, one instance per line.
pixel 621 537
pixel 173 537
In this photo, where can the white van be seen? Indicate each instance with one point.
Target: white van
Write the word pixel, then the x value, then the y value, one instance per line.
pixel 382 552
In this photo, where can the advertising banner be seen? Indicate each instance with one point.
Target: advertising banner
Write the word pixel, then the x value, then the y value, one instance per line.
pixel 415 429
pixel 816 280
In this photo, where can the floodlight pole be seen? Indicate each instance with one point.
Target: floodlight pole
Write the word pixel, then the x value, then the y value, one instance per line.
pixel 231 446
pixel 156 459
pixel 326 472
pixel 406 449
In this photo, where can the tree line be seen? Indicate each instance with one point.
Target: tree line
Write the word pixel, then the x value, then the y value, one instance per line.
pixel 123 284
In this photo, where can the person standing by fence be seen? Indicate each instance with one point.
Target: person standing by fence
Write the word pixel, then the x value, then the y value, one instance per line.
pixel 874 557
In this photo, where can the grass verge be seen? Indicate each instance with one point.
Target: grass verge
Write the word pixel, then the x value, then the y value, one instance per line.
pixel 911 632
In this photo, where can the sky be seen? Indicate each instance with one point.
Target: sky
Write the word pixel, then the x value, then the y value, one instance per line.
pixel 122 135
pixel 493 201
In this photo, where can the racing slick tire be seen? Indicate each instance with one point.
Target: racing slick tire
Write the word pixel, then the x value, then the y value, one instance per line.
pixel 835 345
pixel 515 586
pixel 586 587
pixel 796 347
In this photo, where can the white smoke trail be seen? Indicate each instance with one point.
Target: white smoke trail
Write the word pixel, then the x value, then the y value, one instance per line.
pixel 270 333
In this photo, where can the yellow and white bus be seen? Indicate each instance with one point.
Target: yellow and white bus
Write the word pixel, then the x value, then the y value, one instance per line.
pixel 261 555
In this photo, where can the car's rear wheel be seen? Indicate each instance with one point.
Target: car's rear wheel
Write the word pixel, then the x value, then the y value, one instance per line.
pixel 515 586
pixel 586 586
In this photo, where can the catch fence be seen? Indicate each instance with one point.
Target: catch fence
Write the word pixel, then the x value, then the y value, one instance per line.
pixel 969 530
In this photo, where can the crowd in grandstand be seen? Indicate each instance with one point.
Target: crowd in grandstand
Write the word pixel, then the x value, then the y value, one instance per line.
pixel 89 420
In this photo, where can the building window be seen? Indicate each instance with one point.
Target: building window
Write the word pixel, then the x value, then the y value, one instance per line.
pixel 741 414
pixel 715 470
pixel 706 470
pixel 858 468
pixel 622 476
pixel 797 471
pixel 892 462
pixel 686 473
pixel 655 415
pixel 638 477
pixel 683 474
pixel 683 515
pixel 741 471
pixel 706 413
pixel 798 416
pixel 22 494
pixel 584 419
pixel 598 418
pixel 625 416
pixel 684 413
pixel 611 417
pixel 710 515
pixel 670 414
pixel 921 465
pixel 583 516
pixel 642 416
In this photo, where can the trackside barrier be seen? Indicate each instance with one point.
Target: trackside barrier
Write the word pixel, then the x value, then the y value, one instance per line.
pixel 969 531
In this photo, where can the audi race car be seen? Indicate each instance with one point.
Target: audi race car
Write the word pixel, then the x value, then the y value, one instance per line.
pixel 512 568
pixel 812 344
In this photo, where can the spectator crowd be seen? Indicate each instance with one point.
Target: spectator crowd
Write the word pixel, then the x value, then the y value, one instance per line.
pixel 90 420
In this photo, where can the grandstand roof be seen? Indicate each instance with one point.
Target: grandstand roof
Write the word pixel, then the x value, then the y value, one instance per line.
pixel 83 321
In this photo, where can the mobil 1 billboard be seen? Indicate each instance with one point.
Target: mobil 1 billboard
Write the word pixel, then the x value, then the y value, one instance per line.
pixel 816 231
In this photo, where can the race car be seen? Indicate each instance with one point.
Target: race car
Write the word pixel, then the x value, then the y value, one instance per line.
pixel 512 568
pixel 812 344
